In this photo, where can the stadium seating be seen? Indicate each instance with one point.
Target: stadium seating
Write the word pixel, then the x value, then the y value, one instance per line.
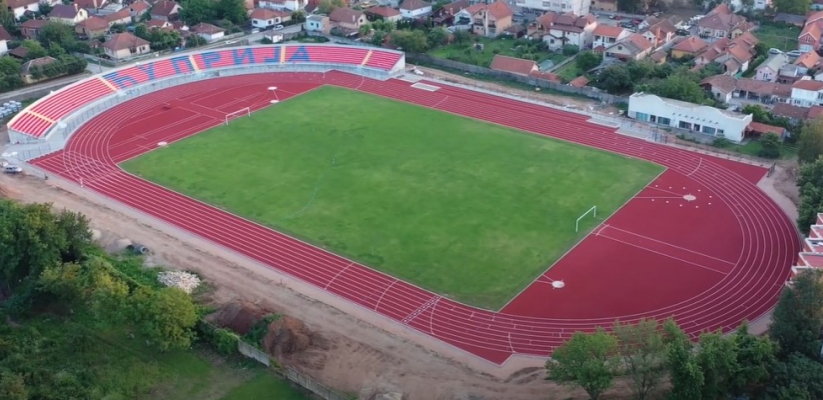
pixel 36 120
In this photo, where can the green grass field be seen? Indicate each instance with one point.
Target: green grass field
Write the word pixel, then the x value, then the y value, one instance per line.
pixel 469 210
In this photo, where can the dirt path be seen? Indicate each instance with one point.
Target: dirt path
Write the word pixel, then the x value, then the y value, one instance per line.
pixel 354 356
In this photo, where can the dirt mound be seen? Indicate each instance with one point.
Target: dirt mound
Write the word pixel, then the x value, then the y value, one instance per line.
pixel 286 336
pixel 238 316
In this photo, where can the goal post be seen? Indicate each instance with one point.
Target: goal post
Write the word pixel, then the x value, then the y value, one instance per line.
pixel 245 111
pixel 592 211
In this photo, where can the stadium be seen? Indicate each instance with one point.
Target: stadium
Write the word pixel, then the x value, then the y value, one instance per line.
pixel 495 225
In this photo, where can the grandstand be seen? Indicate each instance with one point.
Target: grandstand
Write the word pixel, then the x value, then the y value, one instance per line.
pixel 811 254
pixel 38 122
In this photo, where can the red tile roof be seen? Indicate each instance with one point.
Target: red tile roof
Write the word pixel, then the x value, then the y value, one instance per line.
pixel 122 41
pixel 517 66
pixel 412 5
pixel 500 10
pixel 94 23
pixel 579 82
pixel 808 60
pixel 343 14
pixel 690 45
pixel 164 8
pixel 383 11
pixel 808 84
pixel 262 13
pixel 608 30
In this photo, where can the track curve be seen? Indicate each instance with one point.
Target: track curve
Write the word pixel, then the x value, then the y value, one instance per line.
pixel 764 240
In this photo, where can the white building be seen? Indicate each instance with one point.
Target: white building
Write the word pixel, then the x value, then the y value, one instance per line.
pixel 807 93
pixel 761 4
pixel 693 117
pixel 578 7
pixel 317 23
pixel 291 5
pixel 414 8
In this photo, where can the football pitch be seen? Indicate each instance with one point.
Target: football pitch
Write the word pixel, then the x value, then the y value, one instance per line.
pixel 466 209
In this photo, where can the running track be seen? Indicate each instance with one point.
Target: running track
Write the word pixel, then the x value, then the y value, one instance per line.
pixel 701 243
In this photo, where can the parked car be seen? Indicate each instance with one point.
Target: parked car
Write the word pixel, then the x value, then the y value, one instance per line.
pixel 12 169
pixel 683 32
pixel 774 51
pixel 278 27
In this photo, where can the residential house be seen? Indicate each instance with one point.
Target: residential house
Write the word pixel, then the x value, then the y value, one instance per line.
pixel 21 7
pixel 790 73
pixel 633 47
pixel 607 35
pixel 769 70
pixel 807 61
pixel 138 8
pixel 691 46
pixel 91 27
pixel 165 9
pixel 348 19
pixel 290 5
pixel 158 24
pixel 519 66
pixel 27 69
pixel 264 18
pixel 317 23
pixel 721 22
pixel 490 20
pixel 733 55
pixel 761 4
pixel 757 129
pixel 578 7
pixel 445 15
pixel 383 12
pixel 721 86
pixel 688 116
pixel 764 92
pixel 19 52
pixel 604 5
pixel 91 6
pixel 208 32
pixel 660 33
pixel 807 93
pixel 412 9
pixel 791 19
pixel 5 37
pixel 793 113
pixel 69 14
pixel 658 56
pixel 809 38
pixel 30 28
pixel 122 17
pixel 568 29
pixel 125 45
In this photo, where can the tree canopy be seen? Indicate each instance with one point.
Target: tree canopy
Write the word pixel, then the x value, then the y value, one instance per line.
pixel 798 318
pixel 810 182
pixel 810 143
pixel 586 361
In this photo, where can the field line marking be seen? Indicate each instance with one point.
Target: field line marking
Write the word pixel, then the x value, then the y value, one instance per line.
pixel 338 274
pixel 671 245
pixel 666 255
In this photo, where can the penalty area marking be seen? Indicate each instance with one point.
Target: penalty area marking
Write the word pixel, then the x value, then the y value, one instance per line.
pixel 426 87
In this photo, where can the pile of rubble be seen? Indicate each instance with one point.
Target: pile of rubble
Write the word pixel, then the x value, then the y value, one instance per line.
pixel 179 279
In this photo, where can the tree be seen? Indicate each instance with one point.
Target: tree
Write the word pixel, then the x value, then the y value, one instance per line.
pixel 614 79
pixel 810 143
pixel 643 353
pixel 797 378
pixel 684 372
pixel 13 387
pixel 755 358
pixel 327 6
pixel 141 31
pixel 587 361
pixel 411 41
pixel 630 6
pixel 298 16
pixel 717 359
pixel 810 183
pixel 462 36
pixel 770 143
pixel 194 12
pixel 364 30
pixel 35 50
pixel 758 113
pixel 437 37
pixel 799 7
pixel 166 316
pixel 586 61
pixel 798 317
pixel 232 10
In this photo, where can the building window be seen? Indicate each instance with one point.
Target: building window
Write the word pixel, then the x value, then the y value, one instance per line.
pixel 685 125
pixel 709 130
pixel 641 116
pixel 653 118
pixel 719 131
pixel 820 95
pixel 664 121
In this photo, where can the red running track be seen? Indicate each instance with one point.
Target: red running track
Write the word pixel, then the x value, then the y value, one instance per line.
pixel 701 243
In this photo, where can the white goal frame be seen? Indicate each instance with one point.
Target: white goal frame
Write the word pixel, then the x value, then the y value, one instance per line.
pixel 239 113
pixel 577 223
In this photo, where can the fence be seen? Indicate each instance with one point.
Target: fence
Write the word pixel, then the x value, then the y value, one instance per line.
pixel 526 80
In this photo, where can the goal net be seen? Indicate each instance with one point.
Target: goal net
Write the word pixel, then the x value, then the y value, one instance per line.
pixel 243 112
pixel 592 211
